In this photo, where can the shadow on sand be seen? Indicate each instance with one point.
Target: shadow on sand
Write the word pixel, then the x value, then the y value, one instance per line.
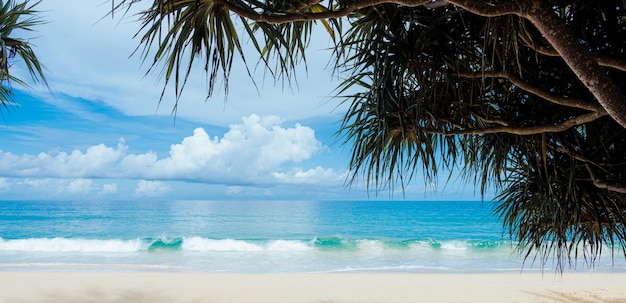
pixel 583 296
pixel 98 296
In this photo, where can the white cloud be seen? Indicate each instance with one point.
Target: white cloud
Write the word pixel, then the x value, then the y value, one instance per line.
pixel 96 161
pixel 57 187
pixel 151 188
pixel 314 175
pixel 4 184
pixel 41 183
pixel 48 187
pixel 257 151
pixel 80 186
pixel 110 188
pixel 248 152
pixel 60 188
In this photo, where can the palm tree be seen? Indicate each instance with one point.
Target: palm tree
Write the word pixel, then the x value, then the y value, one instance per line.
pixel 523 95
pixel 16 17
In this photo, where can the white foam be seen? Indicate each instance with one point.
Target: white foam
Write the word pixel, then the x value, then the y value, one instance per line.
pixel 70 245
pixel 371 246
pixel 285 245
pixel 454 245
pixel 399 268
pixel 203 244
pixel 421 245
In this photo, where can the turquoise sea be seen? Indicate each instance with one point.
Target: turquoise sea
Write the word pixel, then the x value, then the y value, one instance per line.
pixel 260 237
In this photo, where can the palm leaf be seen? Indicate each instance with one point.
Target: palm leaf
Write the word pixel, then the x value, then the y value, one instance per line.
pixel 17 17
pixel 175 34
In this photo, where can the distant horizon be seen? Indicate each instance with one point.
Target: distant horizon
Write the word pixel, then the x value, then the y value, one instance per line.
pixel 249 200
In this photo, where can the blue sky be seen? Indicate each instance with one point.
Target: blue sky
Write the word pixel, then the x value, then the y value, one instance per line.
pixel 100 132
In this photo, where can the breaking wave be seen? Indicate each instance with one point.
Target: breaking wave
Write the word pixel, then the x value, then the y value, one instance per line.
pixel 200 244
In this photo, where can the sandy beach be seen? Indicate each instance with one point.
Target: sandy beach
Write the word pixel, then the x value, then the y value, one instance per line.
pixel 110 287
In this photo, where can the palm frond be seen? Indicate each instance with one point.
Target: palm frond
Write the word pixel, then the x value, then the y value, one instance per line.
pixel 555 212
pixel 17 17
pixel 176 34
pixel 180 31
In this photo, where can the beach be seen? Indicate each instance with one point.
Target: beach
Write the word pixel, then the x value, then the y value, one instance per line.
pixel 117 287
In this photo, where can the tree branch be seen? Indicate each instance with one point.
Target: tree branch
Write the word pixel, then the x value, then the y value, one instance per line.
pixel 612 62
pixel 554 29
pixel 494 8
pixel 535 90
pixel 436 4
pixel 282 17
pixel 599 183
pixel 580 61
pixel 522 131
pixel 492 120
pixel 533 130
pixel 547 50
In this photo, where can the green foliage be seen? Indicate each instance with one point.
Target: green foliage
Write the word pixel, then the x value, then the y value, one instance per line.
pixel 16 17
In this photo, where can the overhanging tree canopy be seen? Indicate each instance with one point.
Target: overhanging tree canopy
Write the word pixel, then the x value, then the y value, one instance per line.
pixel 527 95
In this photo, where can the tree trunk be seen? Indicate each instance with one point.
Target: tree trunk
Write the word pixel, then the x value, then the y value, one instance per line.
pixel 579 59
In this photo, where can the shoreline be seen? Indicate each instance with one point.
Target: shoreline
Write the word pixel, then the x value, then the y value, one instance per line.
pixel 117 287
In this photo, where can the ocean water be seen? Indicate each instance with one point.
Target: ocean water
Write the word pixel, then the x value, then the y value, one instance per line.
pixel 260 237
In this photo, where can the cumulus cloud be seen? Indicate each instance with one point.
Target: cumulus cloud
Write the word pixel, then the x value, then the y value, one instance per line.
pixel 96 161
pixel 247 151
pixel 147 188
pixel 257 151
pixel 80 186
pixel 110 188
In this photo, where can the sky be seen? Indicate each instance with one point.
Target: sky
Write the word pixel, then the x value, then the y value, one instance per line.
pixel 99 132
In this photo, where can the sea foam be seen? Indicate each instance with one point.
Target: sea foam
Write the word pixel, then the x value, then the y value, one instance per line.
pixel 200 244
pixel 70 245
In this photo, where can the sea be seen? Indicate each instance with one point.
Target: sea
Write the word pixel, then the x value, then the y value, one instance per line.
pixel 263 237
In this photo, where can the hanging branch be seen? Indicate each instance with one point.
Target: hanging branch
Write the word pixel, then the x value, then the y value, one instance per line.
pixel 518 130
pixel 547 50
pixel 555 31
pixel 535 90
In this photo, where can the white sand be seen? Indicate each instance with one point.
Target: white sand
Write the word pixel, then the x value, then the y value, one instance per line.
pixel 109 287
